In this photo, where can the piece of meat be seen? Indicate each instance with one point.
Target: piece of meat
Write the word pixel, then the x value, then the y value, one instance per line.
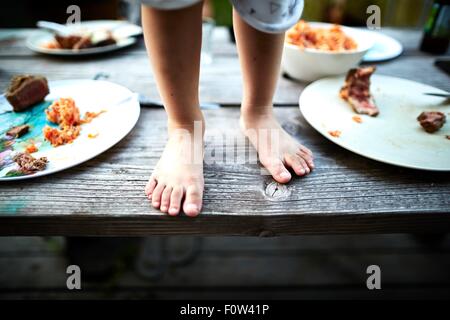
pixel 18 131
pixel 431 121
pixel 26 90
pixel 105 42
pixel 85 42
pixel 67 42
pixel 356 91
pixel 28 164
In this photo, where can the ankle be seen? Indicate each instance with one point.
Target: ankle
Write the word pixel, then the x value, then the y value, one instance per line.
pixel 190 123
pixel 251 115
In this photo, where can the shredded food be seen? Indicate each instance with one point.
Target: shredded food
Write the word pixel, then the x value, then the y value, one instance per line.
pixel 66 114
pixel 335 134
pixel 325 39
pixel 31 148
pixel 357 119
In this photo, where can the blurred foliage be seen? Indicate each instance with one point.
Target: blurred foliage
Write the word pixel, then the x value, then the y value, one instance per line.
pixel 399 13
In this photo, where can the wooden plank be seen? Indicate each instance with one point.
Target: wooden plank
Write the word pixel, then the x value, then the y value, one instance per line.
pixel 13 42
pixel 346 194
pixel 224 72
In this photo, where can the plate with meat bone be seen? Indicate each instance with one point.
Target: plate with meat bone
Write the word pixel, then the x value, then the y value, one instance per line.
pixel 394 136
pixel 120 112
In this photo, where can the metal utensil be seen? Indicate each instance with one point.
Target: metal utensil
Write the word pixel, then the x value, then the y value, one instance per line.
pixel 54 27
pixel 442 95
pixel 145 101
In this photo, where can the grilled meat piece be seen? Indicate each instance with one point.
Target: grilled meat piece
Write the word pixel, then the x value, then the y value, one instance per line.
pixel 18 131
pixel 26 90
pixel 431 121
pixel 356 91
pixel 29 164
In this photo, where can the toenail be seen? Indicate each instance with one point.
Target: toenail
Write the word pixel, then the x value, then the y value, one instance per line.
pixel 285 175
pixel 191 207
pixel 173 210
pixel 163 208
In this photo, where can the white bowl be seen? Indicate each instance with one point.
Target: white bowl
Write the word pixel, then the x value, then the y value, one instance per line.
pixel 312 64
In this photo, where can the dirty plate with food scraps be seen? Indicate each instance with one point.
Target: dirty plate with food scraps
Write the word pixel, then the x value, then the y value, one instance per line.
pixel 121 108
pixel 124 32
pixel 394 136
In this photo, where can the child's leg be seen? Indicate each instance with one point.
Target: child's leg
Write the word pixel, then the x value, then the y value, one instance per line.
pixel 173 40
pixel 260 55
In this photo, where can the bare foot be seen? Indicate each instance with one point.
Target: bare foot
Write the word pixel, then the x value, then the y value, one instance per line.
pixel 177 181
pixel 277 150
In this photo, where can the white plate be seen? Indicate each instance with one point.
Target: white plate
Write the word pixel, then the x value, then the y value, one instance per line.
pixel 384 48
pixel 122 112
pixel 395 136
pixel 122 30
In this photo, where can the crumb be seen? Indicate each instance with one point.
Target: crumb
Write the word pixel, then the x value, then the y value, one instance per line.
pixel 92 135
pixel 448 137
pixel 89 116
pixel 357 119
pixel 31 148
pixel 335 133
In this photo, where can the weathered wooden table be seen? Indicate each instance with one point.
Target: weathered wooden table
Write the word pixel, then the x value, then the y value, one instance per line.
pixel 104 197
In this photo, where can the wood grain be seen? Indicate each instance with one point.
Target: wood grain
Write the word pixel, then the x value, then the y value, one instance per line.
pixel 346 194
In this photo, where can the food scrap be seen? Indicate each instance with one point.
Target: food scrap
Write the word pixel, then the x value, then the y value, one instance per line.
pixel 28 164
pixel 25 91
pixel 448 137
pixel 99 38
pixel 88 116
pixel 31 148
pixel 18 131
pixel 356 91
pixel 357 119
pixel 325 39
pixel 335 134
pixel 66 114
pixel 431 121
pixel 92 135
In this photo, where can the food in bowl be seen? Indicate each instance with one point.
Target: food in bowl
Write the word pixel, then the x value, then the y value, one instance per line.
pixel 331 38
pixel 321 54
pixel 356 91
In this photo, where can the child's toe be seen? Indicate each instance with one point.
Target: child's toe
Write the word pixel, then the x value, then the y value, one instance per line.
pixel 165 199
pixel 192 204
pixel 151 184
pixel 297 164
pixel 156 196
pixel 175 200
pixel 307 157
pixel 278 171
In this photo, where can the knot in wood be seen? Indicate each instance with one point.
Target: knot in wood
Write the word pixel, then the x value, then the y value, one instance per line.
pixel 276 191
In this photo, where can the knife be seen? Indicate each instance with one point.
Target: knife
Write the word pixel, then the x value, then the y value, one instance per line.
pixel 442 95
pixel 145 101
